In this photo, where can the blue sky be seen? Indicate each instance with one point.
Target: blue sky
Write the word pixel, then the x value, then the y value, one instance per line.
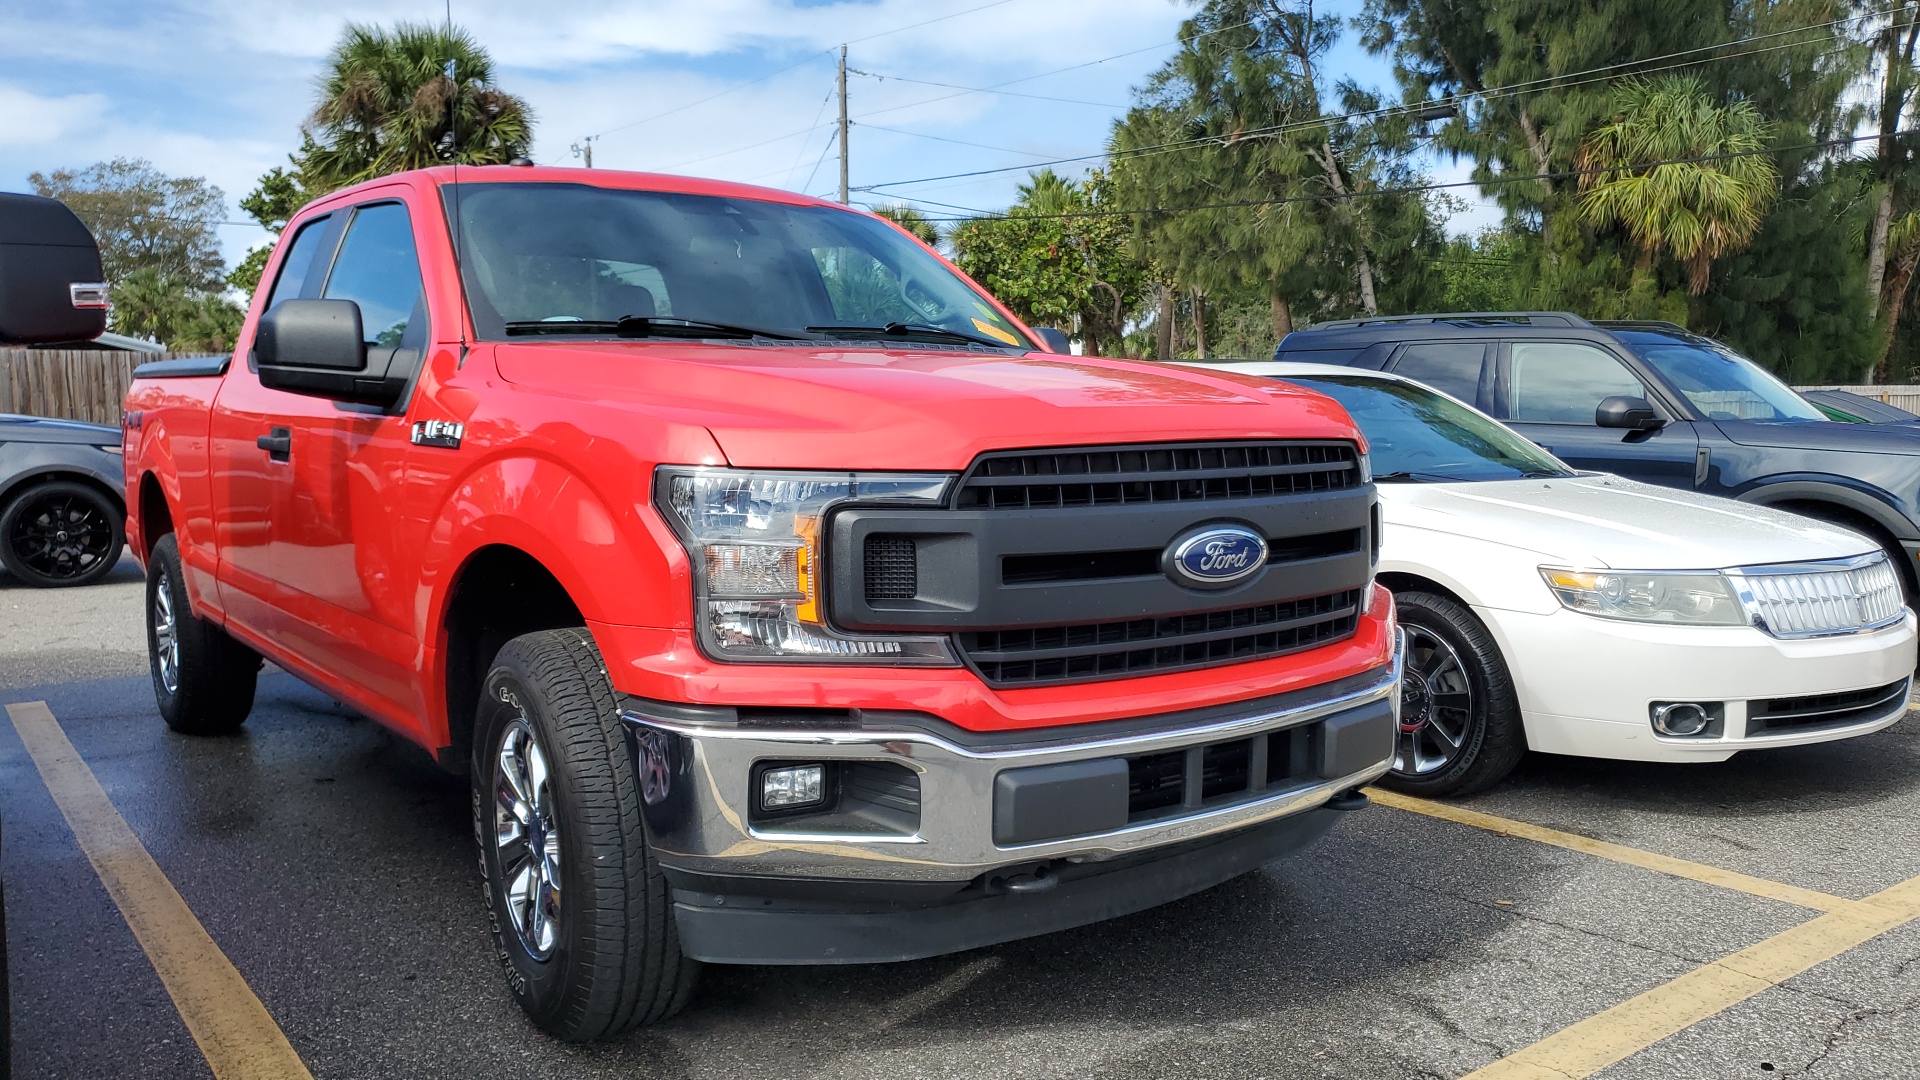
pixel 217 88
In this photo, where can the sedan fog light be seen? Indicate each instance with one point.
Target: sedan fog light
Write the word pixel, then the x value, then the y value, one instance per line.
pixel 793 786
pixel 1685 719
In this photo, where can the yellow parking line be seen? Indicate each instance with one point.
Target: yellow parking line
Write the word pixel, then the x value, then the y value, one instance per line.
pixel 1665 864
pixel 1637 1023
pixel 235 1032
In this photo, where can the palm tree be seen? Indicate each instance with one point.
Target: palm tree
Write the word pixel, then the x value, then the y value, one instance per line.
pixel 1708 195
pixel 912 220
pixel 387 104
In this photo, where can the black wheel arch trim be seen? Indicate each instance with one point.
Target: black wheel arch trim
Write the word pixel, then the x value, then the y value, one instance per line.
pixel 1843 493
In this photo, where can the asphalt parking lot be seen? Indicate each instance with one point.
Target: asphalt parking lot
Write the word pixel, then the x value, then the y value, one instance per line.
pixel 1754 918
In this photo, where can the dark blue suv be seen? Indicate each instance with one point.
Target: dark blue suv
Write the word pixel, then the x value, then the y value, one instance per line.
pixel 1651 401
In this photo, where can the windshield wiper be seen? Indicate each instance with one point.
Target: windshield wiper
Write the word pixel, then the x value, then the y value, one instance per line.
pixel 1404 477
pixel 636 326
pixel 905 330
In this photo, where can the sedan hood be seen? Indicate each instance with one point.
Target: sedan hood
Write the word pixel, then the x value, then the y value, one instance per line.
pixel 39 429
pixel 802 406
pixel 1606 522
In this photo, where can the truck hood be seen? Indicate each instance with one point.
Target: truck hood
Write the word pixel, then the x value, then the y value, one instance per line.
pixel 39 429
pixel 1824 435
pixel 1606 522
pixel 850 407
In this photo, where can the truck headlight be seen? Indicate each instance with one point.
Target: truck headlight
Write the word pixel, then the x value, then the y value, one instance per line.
pixel 1697 599
pixel 755 540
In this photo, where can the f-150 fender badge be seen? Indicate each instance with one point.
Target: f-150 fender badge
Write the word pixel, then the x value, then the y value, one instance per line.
pixel 445 434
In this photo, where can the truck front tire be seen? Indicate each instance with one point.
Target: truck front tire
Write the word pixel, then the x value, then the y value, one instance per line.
pixel 203 680
pixel 581 916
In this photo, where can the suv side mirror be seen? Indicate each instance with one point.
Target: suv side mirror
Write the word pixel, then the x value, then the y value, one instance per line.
pixel 1054 339
pixel 1631 413
pixel 50 282
pixel 318 348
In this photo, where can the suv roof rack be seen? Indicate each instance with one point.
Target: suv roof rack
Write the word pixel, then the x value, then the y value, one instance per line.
pixel 1533 318
pixel 1640 324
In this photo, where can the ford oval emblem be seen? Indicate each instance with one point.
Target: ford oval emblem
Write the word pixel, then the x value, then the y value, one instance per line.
pixel 1215 556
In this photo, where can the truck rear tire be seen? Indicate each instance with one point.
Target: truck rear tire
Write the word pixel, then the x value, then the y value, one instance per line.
pixel 581 916
pixel 203 680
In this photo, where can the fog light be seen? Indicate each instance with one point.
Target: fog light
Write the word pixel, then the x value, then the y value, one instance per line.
pixel 1681 718
pixel 793 785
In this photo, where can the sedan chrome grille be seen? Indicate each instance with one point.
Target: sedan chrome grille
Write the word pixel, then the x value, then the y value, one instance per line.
pixel 1841 596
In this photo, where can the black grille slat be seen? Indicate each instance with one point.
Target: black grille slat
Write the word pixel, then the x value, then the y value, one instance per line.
pixel 1111 476
pixel 892 567
pixel 1821 710
pixel 1140 646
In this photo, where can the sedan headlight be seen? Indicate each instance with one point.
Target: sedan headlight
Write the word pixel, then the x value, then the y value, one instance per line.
pixel 755 541
pixel 1696 599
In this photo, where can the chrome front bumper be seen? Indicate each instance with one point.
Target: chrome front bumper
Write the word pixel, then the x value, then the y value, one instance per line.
pixel 696 781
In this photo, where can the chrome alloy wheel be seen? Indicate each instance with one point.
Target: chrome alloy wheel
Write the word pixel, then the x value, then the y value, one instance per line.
pixel 1436 705
pixel 166 634
pixel 526 837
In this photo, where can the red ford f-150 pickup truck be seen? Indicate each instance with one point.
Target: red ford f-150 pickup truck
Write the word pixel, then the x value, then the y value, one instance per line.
pixel 785 600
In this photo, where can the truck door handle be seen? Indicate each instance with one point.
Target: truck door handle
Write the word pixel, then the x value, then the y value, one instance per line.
pixel 278 444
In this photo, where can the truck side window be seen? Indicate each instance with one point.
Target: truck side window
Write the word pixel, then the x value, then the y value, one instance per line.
pixel 1452 367
pixel 379 270
pixel 1560 382
pixel 298 265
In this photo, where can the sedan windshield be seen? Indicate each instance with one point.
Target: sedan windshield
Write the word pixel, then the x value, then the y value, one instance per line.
pixel 1416 435
pixel 543 260
pixel 1720 382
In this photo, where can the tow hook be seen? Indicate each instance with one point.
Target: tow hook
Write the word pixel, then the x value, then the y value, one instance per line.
pixel 1350 799
pixel 1036 881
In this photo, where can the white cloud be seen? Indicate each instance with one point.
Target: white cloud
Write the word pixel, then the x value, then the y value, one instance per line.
pixel 30 119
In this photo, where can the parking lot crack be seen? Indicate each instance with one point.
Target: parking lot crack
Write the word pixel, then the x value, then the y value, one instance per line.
pixel 1431 1009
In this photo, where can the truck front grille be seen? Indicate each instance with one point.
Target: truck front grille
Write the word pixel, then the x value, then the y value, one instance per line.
pixel 1111 650
pixel 1186 472
pixel 1182 781
pixel 892 567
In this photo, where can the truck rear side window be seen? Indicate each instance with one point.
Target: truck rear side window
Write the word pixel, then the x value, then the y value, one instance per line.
pixel 298 264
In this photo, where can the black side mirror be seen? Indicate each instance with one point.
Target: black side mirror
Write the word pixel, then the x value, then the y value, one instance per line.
pixel 318 348
pixel 1631 413
pixel 1054 339
pixel 50 281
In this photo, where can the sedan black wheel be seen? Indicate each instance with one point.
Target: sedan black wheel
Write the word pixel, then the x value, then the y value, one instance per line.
pixel 1460 727
pixel 61 533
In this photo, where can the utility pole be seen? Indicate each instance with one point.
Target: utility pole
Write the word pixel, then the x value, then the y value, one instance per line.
pixel 843 125
pixel 584 149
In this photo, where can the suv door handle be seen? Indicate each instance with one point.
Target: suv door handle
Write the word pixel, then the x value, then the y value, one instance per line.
pixel 278 444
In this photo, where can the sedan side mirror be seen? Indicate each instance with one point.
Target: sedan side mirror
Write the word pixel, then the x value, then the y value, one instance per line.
pixel 50 282
pixel 1631 413
pixel 318 348
pixel 1054 339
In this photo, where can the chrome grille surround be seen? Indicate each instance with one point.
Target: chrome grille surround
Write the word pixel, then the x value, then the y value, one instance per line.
pixel 1823 598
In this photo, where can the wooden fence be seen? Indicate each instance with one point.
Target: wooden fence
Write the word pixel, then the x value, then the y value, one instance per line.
pixel 1899 396
pixel 74 385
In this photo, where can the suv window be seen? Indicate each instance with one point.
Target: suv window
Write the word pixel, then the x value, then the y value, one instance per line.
pixel 1562 382
pixel 298 265
pixel 1452 367
pixel 378 269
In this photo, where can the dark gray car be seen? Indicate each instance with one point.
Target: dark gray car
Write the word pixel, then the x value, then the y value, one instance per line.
pixel 62 521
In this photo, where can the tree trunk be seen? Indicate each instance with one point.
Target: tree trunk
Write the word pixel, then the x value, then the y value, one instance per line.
pixel 1899 278
pixel 1877 249
pixel 1200 324
pixel 1362 265
pixel 1163 324
pixel 1282 319
pixel 1542 164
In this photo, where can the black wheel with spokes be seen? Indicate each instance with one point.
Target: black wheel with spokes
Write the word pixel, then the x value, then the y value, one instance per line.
pixel 1460 727
pixel 61 533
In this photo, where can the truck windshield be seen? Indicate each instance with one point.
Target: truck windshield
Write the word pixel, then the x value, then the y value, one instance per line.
pixel 1720 382
pixel 542 259
pixel 1415 435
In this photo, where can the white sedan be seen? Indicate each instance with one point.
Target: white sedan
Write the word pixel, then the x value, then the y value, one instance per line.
pixel 1582 613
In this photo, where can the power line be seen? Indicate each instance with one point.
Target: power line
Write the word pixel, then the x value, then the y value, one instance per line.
pixel 809 58
pixel 983 89
pixel 1495 93
pixel 1414 189
pixel 957 142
